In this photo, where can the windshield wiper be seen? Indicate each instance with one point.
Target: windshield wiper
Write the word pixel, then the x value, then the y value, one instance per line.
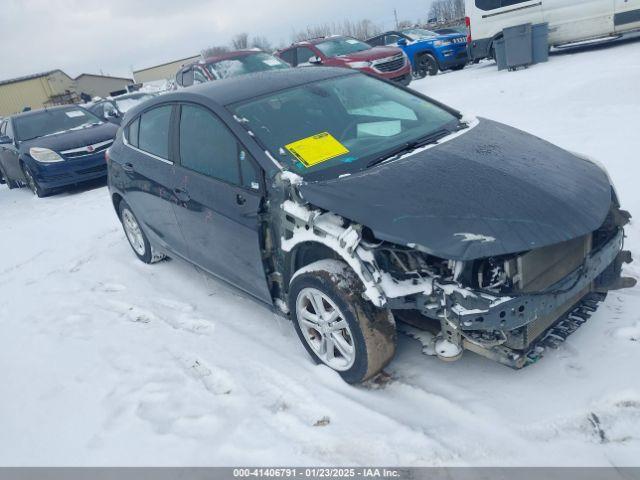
pixel 409 147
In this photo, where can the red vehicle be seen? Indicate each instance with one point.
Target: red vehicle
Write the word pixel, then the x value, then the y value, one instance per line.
pixel 389 63
pixel 227 65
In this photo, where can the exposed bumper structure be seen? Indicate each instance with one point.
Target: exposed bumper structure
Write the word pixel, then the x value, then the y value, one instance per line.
pixel 515 330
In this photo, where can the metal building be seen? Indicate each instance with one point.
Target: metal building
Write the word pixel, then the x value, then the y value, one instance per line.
pixel 36 91
pixel 55 88
pixel 101 85
pixel 164 71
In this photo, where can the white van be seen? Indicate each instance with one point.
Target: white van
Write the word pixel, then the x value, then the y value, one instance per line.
pixel 569 20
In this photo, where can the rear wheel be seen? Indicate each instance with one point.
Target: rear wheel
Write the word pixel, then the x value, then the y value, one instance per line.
pixel 33 184
pixel 136 236
pixel 336 325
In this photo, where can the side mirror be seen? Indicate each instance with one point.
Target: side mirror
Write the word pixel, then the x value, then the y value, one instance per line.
pixel 111 114
pixel 188 78
pixel 4 140
pixel 315 61
pixel 402 42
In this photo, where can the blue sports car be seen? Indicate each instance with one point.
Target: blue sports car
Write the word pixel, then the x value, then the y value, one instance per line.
pixel 428 51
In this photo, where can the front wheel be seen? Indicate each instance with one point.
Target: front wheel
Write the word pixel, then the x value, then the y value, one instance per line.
pixel 33 184
pixel 428 65
pixel 336 325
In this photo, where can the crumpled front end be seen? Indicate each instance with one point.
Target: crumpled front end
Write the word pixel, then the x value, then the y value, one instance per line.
pixel 508 308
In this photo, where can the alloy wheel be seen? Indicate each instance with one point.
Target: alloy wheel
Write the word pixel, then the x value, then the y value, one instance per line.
pixel 325 329
pixel 133 231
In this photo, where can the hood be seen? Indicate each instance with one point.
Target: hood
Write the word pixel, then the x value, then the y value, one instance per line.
pixel 73 138
pixel 493 190
pixel 375 53
pixel 443 37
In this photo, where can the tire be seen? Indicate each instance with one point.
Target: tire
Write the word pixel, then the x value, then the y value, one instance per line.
pixel 428 64
pixel 350 335
pixel 33 184
pixel 137 238
pixel 4 178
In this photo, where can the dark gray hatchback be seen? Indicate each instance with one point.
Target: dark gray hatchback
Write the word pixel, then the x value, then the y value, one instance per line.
pixel 349 204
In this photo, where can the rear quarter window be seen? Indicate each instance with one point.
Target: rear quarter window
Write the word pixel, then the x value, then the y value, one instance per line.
pixel 153 135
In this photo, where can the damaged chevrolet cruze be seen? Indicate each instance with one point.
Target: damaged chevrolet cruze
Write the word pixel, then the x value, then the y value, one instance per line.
pixel 355 206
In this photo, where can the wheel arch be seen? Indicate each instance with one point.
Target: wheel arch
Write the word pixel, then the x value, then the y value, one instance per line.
pixel 303 254
pixel 116 199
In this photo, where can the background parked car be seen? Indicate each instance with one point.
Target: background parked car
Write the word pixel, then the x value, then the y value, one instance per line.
pixel 52 148
pixel 569 20
pixel 228 65
pixel 338 51
pixel 428 51
pixel 113 109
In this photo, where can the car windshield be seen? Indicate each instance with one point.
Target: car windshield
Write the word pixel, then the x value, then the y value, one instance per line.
pixel 333 127
pixel 419 33
pixel 127 103
pixel 51 122
pixel 234 67
pixel 338 47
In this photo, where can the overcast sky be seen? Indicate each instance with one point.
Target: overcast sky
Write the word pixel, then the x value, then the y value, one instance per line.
pixel 118 36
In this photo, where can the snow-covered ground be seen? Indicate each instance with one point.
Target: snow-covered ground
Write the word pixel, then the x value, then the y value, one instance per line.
pixel 106 361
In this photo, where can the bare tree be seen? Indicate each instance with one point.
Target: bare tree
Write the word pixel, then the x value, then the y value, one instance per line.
pixel 262 43
pixel 446 11
pixel 214 51
pixel 240 41
pixel 361 30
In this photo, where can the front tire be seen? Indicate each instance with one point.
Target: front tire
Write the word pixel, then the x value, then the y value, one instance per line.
pixel 136 236
pixel 336 325
pixel 428 65
pixel 33 184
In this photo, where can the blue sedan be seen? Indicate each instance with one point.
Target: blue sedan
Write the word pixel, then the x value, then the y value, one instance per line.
pixel 53 148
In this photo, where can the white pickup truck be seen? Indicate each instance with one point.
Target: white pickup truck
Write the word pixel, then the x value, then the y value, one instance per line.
pixel 569 21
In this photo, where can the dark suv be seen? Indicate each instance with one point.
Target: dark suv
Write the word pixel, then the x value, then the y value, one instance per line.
pixel 389 63
pixel 350 204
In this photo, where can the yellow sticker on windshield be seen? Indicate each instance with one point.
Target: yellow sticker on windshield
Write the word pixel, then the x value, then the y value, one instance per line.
pixel 316 149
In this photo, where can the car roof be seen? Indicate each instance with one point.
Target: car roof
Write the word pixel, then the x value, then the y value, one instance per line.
pixel 245 87
pixel 49 109
pixel 229 56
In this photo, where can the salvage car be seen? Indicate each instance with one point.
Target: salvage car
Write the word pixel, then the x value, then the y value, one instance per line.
pixel 355 206
pixel 385 62
pixel 226 65
pixel 53 148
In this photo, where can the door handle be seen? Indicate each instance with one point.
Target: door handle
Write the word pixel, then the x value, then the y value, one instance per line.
pixel 182 194
pixel 240 200
pixel 128 167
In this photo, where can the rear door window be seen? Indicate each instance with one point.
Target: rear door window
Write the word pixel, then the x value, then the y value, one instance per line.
pixel 207 146
pixel 392 39
pixel 132 132
pixel 153 136
pixel 289 56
